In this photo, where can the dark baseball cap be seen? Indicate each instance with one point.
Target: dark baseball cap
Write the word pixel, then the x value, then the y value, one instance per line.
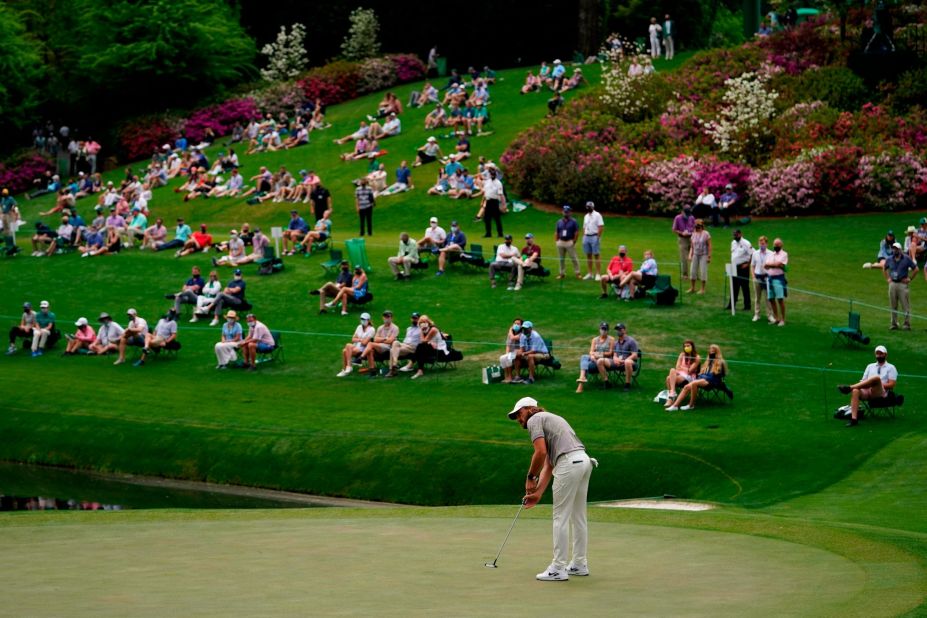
pixel 620 326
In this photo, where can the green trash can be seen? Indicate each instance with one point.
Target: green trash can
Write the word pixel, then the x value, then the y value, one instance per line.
pixel 442 66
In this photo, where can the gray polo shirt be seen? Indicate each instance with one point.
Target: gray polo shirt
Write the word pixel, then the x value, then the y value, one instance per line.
pixel 557 433
pixel 626 348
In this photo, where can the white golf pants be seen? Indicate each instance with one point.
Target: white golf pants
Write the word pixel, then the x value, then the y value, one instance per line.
pixel 571 485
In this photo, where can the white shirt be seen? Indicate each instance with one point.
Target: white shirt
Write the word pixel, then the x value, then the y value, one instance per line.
pixel 505 253
pixel 758 262
pixel 886 371
pixel 741 251
pixel 436 234
pixel 362 332
pixel 708 199
pixel 592 221
pixel 492 189
pixel 138 324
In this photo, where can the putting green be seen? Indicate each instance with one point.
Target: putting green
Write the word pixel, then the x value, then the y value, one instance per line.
pixel 195 565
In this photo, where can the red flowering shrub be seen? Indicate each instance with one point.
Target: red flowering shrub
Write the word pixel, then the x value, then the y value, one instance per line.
pixel 408 67
pixel 142 137
pixel 810 44
pixel 333 83
pixel 220 118
pixel 18 172
pixel 376 74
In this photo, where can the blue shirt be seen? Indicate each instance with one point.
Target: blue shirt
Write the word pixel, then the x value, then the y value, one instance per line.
pixel 451 168
pixel 457 238
pixel 197 282
pixel 237 287
pixel 229 333
pixel 567 229
pixel 7 204
pixel 77 221
pixel 298 224
pixel 181 143
pixel 532 343
pixel 403 174
pixel 95 239
pixel 899 269
pixel 558 71
pixel 183 232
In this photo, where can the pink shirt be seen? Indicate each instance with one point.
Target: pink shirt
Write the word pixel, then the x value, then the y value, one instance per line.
pixel 772 256
pixel 85 334
pixel 260 333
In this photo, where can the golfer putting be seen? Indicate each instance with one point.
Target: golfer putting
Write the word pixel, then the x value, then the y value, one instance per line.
pixel 558 453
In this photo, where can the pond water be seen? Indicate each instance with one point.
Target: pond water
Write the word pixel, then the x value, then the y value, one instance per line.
pixel 27 487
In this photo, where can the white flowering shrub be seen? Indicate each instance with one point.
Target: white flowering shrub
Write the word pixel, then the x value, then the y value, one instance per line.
pixel 743 122
pixel 362 40
pixel 631 95
pixel 286 56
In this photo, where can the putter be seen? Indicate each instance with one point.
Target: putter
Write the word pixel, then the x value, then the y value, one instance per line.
pixel 492 565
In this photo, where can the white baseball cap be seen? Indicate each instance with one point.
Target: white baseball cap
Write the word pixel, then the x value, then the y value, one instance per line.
pixel 433 220
pixel 365 316
pixel 81 322
pixel 43 304
pixel 881 348
pixel 522 403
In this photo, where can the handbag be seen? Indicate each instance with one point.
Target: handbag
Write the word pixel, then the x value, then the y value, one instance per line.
pixel 492 374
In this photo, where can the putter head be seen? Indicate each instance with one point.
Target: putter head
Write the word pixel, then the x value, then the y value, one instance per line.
pixel 490 565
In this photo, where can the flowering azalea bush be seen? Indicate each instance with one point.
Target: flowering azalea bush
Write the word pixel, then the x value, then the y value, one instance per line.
pixel 220 118
pixel 142 137
pixel 376 74
pixel 279 97
pixel 781 119
pixel 18 173
pixel 408 67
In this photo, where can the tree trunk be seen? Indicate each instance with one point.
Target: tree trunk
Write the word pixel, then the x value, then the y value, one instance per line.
pixel 588 25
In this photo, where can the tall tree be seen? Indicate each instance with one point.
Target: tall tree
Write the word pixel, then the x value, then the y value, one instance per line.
pixel 22 70
pixel 162 52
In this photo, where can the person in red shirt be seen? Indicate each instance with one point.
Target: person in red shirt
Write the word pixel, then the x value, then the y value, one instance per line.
pixel 530 259
pixel 198 241
pixel 620 266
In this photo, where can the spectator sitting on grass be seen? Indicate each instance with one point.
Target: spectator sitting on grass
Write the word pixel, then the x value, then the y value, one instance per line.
pixel 360 133
pixel 403 181
pixel 233 294
pixel 81 339
pixel 462 185
pixel 134 335
pixel 600 349
pixel 428 153
pixel 198 242
pixel 108 335
pixel 236 252
pixel 263 184
pixel 554 104
pixel 531 350
pixel 181 234
pixel 712 375
pixel 376 179
pixel 231 188
pixel 429 94
pixel 299 138
pixel 391 128
pixel 442 185
pixel 154 235
pixel 259 246
pixel 93 242
pixel 164 334
pixel 227 348
pixel 436 117
pixel 574 81
pixel 363 334
pixel 135 227
pixel 381 343
pixel 43 241
pixel 532 83
pixel 362 149
pixel 356 291
pixel 885 252
pixel 258 341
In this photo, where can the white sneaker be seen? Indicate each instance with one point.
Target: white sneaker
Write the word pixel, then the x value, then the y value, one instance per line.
pixel 517 288
pixel 407 368
pixel 867 265
pixel 598 277
pixel 672 408
pixel 756 317
pixel 552 574
pixel 686 407
pixel 215 322
pixel 330 304
pixel 771 319
pixel 344 372
pixel 578 570
pixel 194 319
pixel 587 277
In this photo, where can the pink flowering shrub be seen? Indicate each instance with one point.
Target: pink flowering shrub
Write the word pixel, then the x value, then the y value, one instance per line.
pixel 674 183
pixel 407 67
pixel 279 97
pixel 220 118
pixel 333 83
pixel 892 180
pixel 785 187
pixel 810 44
pixel 142 137
pixel 18 172
pixel 376 74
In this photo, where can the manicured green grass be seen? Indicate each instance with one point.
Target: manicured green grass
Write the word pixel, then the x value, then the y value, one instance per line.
pixel 296 426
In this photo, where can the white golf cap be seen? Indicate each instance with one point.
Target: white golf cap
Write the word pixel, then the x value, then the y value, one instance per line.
pixel 81 322
pixel 131 312
pixel 365 316
pixel 43 304
pixel 897 245
pixel 881 348
pixel 434 220
pixel 522 403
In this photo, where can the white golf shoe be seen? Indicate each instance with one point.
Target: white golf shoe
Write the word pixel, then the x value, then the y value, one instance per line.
pixel 579 570
pixel 553 574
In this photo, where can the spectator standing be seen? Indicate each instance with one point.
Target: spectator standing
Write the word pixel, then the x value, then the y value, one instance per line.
pixel 321 200
pixel 364 202
pixel 683 227
pixel 776 265
pixel 741 256
pixel 565 239
pixel 758 268
pixel 899 269
pixel 8 211
pixel 699 256
pixel 669 32
pixel 593 225
pixel 654 30
pixel 493 204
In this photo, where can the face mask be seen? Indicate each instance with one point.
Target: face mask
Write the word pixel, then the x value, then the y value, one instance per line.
pixel 777 249
pixel 688 349
pixel 711 356
pixel 230 321
pixel 880 359
pixel 622 254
